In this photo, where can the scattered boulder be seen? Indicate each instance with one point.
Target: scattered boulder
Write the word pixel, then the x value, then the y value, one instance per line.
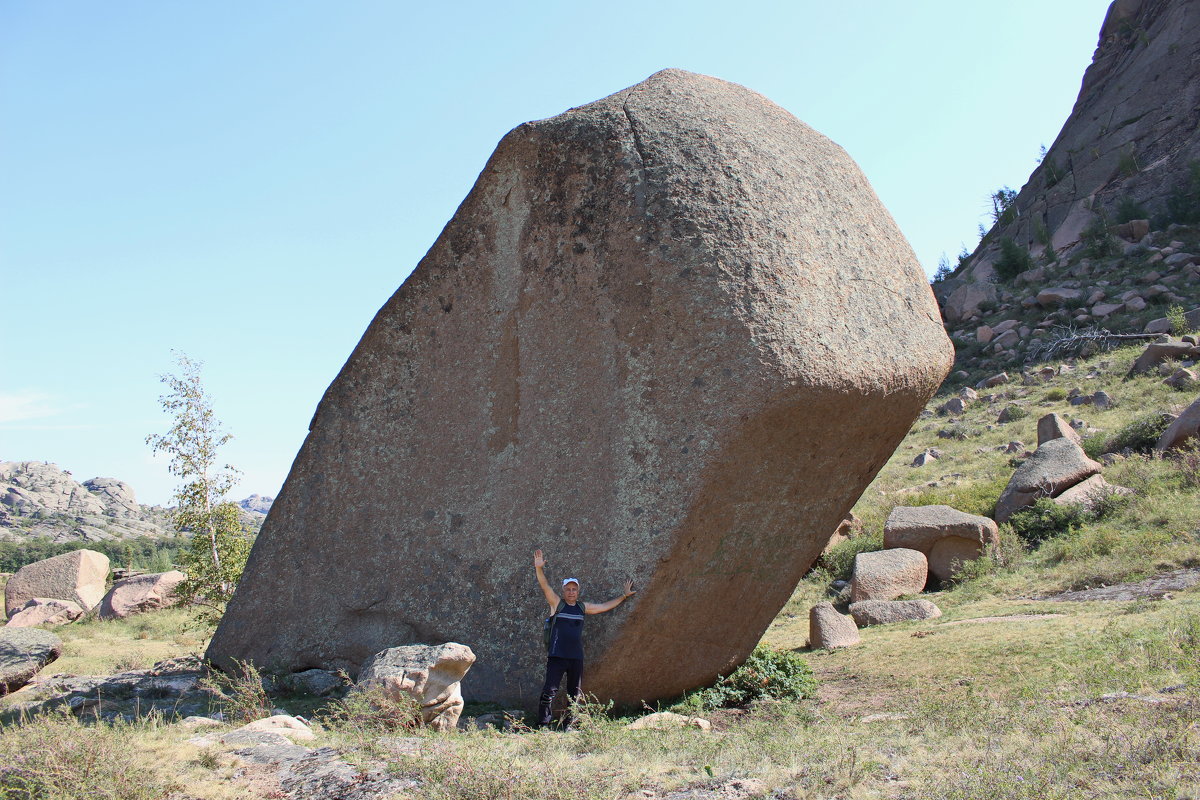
pixel 600 293
pixel 140 594
pixel 965 301
pixel 23 652
pixel 993 382
pixel 1183 428
pixel 885 612
pixel 1134 230
pixel 888 574
pixel 1157 352
pixel 667 720
pixel 1053 426
pixel 79 576
pixel 953 407
pixel 1163 324
pixel 1102 400
pixel 1090 493
pixel 427 674
pixel 828 628
pixel 293 728
pixel 316 682
pixel 984 334
pixel 45 611
pixel 1107 309
pixel 948 537
pixel 1057 296
pixel 1054 467
pixel 1011 413
pixel 926 457
pixel 1182 379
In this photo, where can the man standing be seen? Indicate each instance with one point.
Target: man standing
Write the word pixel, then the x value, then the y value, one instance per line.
pixel 566 637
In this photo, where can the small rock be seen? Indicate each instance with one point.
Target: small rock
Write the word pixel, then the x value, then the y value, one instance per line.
pixel 885 612
pixel 283 724
pixel 666 720
pixel 888 574
pixel 828 628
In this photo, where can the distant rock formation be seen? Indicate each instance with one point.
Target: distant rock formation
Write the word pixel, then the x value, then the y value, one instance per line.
pixel 670 336
pixel 257 504
pixel 39 499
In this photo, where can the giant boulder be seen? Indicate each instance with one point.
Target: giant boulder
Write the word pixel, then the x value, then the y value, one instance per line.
pixel 669 336
pixel 79 576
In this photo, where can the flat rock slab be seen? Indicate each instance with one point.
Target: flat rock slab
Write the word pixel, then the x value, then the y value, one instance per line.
pixel 1149 589
pixel 653 330
pixel 886 612
pixel 24 651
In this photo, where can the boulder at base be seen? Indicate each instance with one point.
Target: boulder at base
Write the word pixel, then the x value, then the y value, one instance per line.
pixel 669 336
pixel 79 576
pixel 885 612
pixel 948 537
pixel 24 651
pixel 45 611
pixel 888 574
pixel 1054 467
pixel 829 628
pixel 428 675
pixel 141 593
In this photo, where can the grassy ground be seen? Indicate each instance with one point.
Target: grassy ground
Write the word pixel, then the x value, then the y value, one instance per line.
pixel 1005 696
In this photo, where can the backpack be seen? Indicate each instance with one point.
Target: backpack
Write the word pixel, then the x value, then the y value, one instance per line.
pixel 548 625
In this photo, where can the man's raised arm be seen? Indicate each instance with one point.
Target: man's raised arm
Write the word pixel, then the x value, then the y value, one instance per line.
pixel 600 608
pixel 551 596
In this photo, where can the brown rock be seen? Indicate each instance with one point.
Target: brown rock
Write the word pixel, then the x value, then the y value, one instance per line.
pixel 1133 230
pixel 23 652
pixel 1157 352
pixel 631 347
pixel 1053 468
pixel 964 302
pixel 1181 379
pixel 140 594
pixel 1052 426
pixel 983 334
pixel 828 628
pixel 45 611
pixel 1057 296
pixel 953 407
pixel 429 675
pixel 885 612
pixel 78 576
pixel 948 537
pixel 994 381
pixel 1183 428
pixel 1090 492
pixel 888 574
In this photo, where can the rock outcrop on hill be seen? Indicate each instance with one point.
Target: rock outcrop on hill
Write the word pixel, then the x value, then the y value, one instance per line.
pixel 651 334
pixel 39 499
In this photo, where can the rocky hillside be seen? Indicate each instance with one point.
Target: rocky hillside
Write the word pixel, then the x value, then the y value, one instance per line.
pixel 38 499
pixel 1102 234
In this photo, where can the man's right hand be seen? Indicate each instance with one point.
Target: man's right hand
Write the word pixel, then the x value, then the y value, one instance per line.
pixel 538 560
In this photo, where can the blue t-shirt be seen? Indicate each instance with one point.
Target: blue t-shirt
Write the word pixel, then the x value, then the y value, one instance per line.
pixel 567 639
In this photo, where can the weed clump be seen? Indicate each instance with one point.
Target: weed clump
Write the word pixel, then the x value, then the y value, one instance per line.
pixel 1140 436
pixel 767 674
pixel 241 695
pixel 1046 519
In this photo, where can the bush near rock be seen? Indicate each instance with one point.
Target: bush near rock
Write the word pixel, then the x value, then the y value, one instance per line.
pixel 1183 428
pixel 429 675
pixel 23 652
pixel 1053 468
pixel 948 537
pixel 79 576
pixel 885 612
pixel 1157 352
pixel 141 593
pixel 888 574
pixel 828 628
pixel 45 611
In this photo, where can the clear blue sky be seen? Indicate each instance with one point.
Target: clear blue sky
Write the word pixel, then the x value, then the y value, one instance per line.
pixel 248 182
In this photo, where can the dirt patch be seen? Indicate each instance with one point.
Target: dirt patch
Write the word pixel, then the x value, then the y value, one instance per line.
pixel 854 693
pixel 1005 618
pixel 1150 589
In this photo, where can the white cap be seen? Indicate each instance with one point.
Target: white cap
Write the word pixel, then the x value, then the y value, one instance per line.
pixel 571 580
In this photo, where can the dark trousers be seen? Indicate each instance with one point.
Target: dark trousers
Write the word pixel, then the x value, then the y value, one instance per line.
pixel 555 669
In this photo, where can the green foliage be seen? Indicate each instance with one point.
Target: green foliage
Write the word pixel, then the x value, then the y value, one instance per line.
pixel 1140 436
pixel 767 674
pixel 1130 209
pixel 1179 323
pixel 1046 519
pixel 1098 241
pixel 1041 233
pixel 1003 210
pixel 220 543
pixel 944 270
pixel 977 497
pixel 839 561
pixel 365 714
pixel 1055 395
pixel 1183 204
pixel 1127 163
pixel 152 555
pixel 1013 260
pixel 241 695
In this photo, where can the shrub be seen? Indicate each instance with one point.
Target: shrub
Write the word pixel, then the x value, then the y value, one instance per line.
pixel 241 695
pixel 1098 241
pixel 1129 209
pixel 1056 394
pixel 1046 519
pixel 1140 436
pixel 1003 210
pixel 767 674
pixel 1183 204
pixel 839 561
pixel 365 714
pixel 1013 260
pixel 1179 322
